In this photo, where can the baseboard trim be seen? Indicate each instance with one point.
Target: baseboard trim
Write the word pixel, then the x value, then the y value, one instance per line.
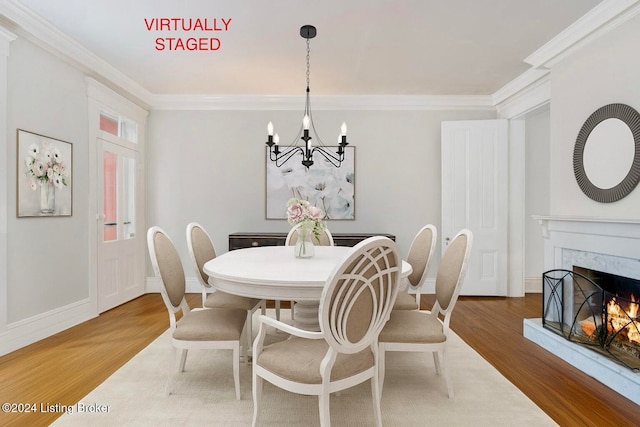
pixel 533 285
pixel 28 331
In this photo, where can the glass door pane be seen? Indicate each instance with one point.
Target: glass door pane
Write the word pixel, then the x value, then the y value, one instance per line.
pixel 110 195
pixel 129 197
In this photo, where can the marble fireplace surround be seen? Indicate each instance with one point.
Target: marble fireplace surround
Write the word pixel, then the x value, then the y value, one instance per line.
pixel 610 245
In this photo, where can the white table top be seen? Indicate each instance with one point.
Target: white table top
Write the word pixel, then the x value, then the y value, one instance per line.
pixel 273 272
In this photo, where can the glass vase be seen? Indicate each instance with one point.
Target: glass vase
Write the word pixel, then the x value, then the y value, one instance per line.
pixel 47 199
pixel 304 246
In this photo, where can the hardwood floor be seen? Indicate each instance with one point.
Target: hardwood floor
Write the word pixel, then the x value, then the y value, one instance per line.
pixel 65 367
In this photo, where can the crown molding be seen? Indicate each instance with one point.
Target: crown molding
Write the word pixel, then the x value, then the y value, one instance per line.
pixel 532 89
pixel 31 26
pixel 528 99
pixel 6 37
pixel 606 16
pixel 513 98
pixel 322 102
pixel 519 84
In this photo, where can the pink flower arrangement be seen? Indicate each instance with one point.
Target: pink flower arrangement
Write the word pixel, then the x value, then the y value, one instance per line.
pixel 301 212
pixel 44 166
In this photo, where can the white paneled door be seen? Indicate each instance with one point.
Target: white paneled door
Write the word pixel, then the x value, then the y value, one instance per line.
pixel 120 241
pixel 475 196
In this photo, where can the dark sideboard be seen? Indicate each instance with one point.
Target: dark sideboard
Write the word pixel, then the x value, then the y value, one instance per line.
pixel 248 239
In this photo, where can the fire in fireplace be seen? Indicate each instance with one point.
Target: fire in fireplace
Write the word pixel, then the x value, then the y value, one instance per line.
pixel 595 309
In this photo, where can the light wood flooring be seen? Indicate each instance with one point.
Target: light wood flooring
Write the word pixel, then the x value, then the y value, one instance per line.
pixel 65 367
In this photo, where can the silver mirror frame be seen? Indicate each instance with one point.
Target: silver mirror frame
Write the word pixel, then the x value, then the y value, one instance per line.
pixel 631 118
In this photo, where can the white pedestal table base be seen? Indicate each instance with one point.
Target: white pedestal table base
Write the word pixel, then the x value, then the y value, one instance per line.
pixel 305 315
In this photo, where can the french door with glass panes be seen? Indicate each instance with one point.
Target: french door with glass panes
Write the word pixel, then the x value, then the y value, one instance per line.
pixel 120 240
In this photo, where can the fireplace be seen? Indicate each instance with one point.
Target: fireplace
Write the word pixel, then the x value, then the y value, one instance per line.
pixel 595 309
pixel 609 247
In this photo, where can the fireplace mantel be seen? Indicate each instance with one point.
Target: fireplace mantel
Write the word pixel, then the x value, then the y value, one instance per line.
pixel 616 237
pixel 599 225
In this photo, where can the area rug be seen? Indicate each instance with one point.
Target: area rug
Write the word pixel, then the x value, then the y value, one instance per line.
pixel 413 394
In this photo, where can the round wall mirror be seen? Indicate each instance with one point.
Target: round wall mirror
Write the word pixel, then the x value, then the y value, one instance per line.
pixel 606 157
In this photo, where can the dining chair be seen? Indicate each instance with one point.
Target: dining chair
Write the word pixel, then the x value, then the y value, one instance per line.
pixel 324 239
pixel 422 331
pixel 205 328
pixel 201 250
pixel 419 256
pixel 354 306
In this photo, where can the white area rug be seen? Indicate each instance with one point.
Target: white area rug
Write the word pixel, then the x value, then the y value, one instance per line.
pixel 413 394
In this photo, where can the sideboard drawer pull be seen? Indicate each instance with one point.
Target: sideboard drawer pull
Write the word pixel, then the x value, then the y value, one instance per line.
pixel 254 243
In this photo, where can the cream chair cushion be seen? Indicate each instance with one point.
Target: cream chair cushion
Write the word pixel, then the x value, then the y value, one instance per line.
pixel 220 299
pixel 405 301
pixel 284 360
pixel 212 324
pixel 412 326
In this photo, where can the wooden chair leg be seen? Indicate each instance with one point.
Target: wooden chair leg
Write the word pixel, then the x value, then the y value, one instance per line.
pixel 257 398
pixel 445 373
pixel 172 368
pixel 183 359
pixel 376 397
pixel 236 368
pixel 324 407
pixel 436 362
pixel 249 331
pixel 381 367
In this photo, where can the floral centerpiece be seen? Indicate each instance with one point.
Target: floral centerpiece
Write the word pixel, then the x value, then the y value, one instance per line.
pixel 309 218
pixel 46 170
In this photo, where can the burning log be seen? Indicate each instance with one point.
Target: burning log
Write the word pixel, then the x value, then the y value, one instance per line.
pixel 588 327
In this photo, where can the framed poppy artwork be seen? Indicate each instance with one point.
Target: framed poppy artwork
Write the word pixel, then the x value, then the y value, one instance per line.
pixel 44 181
pixel 323 185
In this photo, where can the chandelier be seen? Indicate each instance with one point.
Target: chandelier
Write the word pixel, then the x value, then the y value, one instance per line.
pixel 281 156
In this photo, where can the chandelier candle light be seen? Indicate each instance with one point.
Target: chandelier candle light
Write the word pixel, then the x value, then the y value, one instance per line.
pixel 280 157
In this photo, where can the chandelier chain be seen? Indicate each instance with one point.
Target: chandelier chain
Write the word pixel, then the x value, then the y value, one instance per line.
pixel 308 66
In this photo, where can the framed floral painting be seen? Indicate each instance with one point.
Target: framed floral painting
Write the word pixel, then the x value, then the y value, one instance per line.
pixel 323 185
pixel 44 169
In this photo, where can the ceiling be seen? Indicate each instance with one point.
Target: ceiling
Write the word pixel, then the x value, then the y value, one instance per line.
pixel 363 47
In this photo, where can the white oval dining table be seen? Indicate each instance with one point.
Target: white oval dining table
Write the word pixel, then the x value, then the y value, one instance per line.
pixel 273 272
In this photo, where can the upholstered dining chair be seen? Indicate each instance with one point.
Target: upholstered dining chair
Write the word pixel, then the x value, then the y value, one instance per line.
pixel 421 331
pixel 324 239
pixel 201 250
pixel 419 256
pixel 354 306
pixel 206 328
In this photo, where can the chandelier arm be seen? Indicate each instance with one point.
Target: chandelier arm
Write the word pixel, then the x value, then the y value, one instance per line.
pixel 333 159
pixel 285 156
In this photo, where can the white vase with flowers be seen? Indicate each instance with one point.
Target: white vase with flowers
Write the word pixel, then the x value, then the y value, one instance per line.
pixel 308 220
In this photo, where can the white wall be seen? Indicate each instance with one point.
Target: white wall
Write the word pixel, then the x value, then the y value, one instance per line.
pixel 536 189
pixel 606 71
pixel 47 257
pixel 209 166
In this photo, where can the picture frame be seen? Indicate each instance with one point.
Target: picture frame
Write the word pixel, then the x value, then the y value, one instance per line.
pixel 322 184
pixel 44 169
